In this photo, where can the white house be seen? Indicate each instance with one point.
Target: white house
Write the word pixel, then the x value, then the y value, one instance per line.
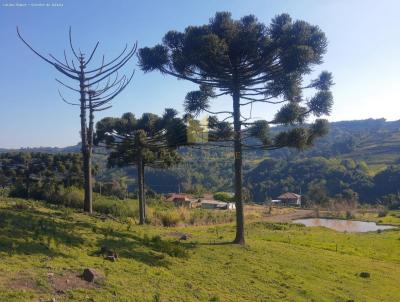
pixel 215 204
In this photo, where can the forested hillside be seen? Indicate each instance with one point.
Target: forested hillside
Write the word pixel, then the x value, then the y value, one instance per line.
pixel 351 158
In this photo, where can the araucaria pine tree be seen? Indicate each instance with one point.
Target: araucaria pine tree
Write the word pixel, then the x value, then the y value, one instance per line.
pixel 96 88
pixel 148 141
pixel 253 63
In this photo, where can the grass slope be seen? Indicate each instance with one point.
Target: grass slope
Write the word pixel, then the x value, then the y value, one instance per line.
pixel 281 262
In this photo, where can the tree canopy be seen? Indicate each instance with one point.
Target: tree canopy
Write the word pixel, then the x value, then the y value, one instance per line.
pixel 148 141
pixel 253 63
pixel 37 174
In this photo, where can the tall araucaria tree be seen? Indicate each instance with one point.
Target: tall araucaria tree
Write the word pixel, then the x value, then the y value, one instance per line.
pixel 253 63
pixel 148 141
pixel 96 88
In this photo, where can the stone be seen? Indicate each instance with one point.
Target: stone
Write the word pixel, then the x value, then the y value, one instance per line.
pixel 365 275
pixel 111 258
pixel 184 237
pixel 89 275
pixel 112 253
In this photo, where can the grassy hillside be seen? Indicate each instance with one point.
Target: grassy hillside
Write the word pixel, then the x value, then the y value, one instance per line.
pixel 374 141
pixel 382 147
pixel 43 250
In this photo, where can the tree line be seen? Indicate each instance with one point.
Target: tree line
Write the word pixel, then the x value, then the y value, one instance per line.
pixel 39 175
pixel 321 180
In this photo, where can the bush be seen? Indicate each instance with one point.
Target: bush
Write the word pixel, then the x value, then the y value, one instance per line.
pixel 170 248
pixel 70 197
pixel 117 208
pixel 170 218
pixel 382 213
pixel 67 213
pixel 223 196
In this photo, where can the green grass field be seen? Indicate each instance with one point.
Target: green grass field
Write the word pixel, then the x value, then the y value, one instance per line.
pixel 43 250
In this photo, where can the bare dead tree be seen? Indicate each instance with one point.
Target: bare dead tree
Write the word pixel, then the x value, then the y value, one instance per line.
pixel 96 88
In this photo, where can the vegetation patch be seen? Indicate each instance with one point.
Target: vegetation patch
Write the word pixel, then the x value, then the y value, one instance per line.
pixel 281 261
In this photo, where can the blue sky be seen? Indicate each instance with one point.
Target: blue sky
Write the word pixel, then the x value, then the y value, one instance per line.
pixel 363 55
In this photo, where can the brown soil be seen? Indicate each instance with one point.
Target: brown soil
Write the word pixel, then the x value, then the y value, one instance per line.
pixel 59 282
pixel 297 214
pixel 68 280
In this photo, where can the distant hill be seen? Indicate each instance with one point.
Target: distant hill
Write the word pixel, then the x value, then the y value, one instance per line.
pixel 52 150
pixel 373 141
pixel 376 141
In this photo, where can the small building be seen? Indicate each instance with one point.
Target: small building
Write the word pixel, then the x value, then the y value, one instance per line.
pixel 217 205
pixel 182 200
pixel 175 197
pixel 290 199
pixel 187 202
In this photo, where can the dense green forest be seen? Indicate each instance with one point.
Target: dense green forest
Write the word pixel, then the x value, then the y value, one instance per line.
pixel 354 157
pixel 356 160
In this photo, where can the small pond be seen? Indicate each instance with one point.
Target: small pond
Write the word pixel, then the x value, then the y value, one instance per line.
pixel 341 225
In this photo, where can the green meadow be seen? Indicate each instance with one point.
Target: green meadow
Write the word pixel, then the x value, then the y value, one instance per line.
pixel 44 249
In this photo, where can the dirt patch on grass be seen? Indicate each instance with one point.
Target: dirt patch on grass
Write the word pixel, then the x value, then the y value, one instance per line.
pixel 57 283
pixel 69 280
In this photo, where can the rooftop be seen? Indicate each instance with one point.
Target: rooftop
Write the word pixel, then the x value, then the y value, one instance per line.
pixel 288 195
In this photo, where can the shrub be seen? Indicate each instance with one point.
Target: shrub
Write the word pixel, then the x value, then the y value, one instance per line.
pixel 172 249
pixel 382 213
pixel 115 207
pixel 71 197
pixel 223 196
pixel 278 226
pixel 170 218
pixel 67 212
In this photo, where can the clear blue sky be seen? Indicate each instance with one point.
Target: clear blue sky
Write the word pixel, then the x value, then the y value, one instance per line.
pixel 363 55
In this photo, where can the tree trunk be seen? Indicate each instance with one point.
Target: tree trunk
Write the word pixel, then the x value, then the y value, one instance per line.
pixel 144 193
pixel 140 187
pixel 89 190
pixel 86 156
pixel 28 186
pixel 87 166
pixel 238 169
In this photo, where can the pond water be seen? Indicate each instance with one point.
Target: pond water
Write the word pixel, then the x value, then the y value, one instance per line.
pixel 341 225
